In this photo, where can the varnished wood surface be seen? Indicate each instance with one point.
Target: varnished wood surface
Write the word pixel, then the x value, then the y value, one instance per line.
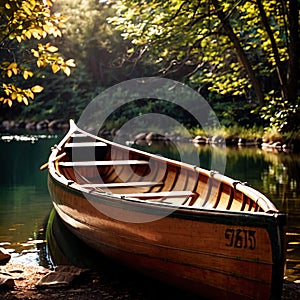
pixel 220 239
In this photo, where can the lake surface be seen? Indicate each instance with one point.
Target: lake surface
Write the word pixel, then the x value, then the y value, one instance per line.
pixel 25 204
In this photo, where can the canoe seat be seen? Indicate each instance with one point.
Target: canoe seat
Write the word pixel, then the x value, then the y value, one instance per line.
pixel 120 184
pixel 85 144
pixel 102 163
pixel 171 194
pixel 79 135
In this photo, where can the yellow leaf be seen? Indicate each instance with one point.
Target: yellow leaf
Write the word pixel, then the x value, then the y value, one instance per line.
pixel 70 63
pixel 9 73
pixel 14 95
pixel 52 49
pixel 35 53
pixel 48 28
pixel 37 89
pixel 12 65
pixel 36 35
pixel 55 68
pixel 25 100
pixel 28 34
pixel 27 74
pixel 9 102
pixel 7 5
pixel 30 94
pixel 67 71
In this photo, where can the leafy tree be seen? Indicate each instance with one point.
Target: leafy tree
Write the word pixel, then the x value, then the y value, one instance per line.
pixel 240 48
pixel 96 44
pixel 20 23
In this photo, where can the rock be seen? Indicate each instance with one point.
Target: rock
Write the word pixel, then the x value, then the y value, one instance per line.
pixel 4 256
pixel 152 136
pixel 200 139
pixel 20 124
pixel 42 125
pixel 216 139
pixel 247 142
pixel 6 124
pixel 58 124
pixel 141 137
pixel 30 126
pixel 63 276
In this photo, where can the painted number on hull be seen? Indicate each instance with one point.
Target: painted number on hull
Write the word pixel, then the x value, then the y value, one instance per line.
pixel 240 238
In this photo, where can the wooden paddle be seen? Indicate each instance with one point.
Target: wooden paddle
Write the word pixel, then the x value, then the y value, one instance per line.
pixel 45 166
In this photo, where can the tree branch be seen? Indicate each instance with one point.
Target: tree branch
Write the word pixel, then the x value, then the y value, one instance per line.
pixel 240 52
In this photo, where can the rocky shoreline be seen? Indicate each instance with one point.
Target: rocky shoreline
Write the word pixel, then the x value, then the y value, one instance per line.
pixel 69 282
pixel 111 281
pixel 270 144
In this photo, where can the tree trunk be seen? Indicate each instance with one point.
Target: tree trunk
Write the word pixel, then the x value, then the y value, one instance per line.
pixel 240 52
pixel 294 49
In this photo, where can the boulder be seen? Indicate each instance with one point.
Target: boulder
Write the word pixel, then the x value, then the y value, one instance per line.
pixel 58 124
pixel 200 139
pixel 42 125
pixel 30 126
pixel 63 276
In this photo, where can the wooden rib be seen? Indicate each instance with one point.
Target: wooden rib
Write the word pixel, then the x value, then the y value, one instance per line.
pixel 102 163
pixel 244 202
pixel 218 196
pixel 230 200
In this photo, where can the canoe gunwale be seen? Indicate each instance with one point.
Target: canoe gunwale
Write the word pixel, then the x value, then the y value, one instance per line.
pixel 185 212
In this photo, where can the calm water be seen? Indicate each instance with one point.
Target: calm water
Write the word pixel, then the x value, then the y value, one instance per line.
pixel 24 200
pixel 25 204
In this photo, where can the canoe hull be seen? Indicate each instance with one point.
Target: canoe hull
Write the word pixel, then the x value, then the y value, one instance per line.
pixel 219 255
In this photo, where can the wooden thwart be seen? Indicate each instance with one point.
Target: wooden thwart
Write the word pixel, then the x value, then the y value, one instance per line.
pixel 102 163
pixel 170 194
pixel 85 144
pixel 120 184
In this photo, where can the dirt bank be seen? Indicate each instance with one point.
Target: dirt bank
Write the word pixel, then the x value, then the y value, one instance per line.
pixel 75 283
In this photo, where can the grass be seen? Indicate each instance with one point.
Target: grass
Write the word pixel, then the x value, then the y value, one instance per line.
pixel 232 132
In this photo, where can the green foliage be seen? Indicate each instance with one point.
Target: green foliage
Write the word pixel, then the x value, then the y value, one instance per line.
pixel 230 47
pixel 282 115
pixel 20 22
pixel 239 54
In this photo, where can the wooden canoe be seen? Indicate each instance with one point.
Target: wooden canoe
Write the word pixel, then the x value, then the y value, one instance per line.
pixel 179 223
